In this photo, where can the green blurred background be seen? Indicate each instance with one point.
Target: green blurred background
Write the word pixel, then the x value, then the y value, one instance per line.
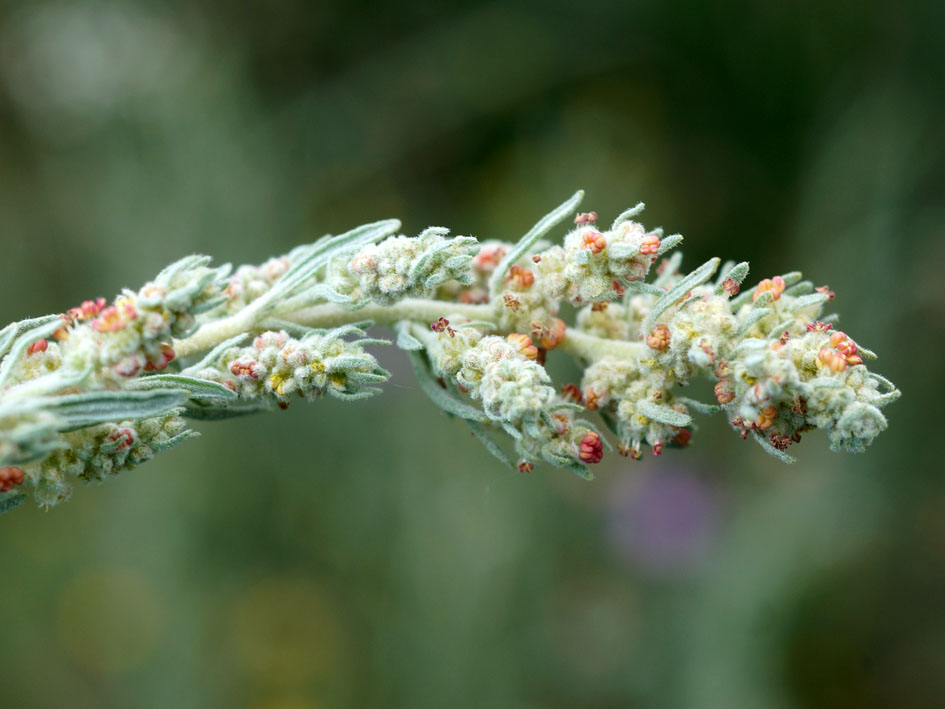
pixel 373 555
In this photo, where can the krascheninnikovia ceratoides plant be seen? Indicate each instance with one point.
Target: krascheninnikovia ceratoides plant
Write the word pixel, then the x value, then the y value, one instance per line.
pixel 91 392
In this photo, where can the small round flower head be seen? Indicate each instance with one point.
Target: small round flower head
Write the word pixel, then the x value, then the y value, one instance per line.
pixel 250 282
pixel 277 366
pixel 524 345
pixel 775 286
pixel 766 418
pixel 659 338
pixel 593 265
pixel 10 477
pixel 857 426
pixel 489 256
pixel 724 391
pixel 593 241
pixel 832 360
pixel 650 245
pixel 572 392
pixel 511 386
pixel 550 335
pixel 133 334
pixel 592 450
pixel 402 266
pixel 96 452
pixel 520 278
pixel 514 390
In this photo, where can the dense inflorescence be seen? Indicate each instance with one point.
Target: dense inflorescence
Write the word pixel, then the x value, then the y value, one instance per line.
pixel 401 267
pixel 107 385
pixel 277 367
pixel 93 454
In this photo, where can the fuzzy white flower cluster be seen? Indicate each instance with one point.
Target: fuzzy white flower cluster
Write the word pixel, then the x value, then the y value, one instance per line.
pixel 134 334
pixel 250 282
pixel 788 386
pixel 402 266
pixel 592 266
pixel 276 366
pixel 780 371
pixel 94 453
pixel 642 402
pixel 516 393
pixel 103 387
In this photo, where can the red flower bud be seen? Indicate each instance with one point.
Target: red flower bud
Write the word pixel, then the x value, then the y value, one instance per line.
pixel 592 449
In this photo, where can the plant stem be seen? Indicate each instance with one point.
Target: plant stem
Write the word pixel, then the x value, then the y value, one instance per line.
pixel 591 348
pixel 578 344
pixel 330 315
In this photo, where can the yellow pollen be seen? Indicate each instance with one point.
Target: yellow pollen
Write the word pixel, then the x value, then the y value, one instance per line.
pixel 277 382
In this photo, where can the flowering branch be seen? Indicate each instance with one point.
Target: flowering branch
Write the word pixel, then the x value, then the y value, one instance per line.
pixel 106 386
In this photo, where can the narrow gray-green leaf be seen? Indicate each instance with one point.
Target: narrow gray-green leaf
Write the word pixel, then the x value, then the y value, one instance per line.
pixel 24 339
pixel 9 333
pixel 371 341
pixel 663 414
pixel 199 389
pixel 888 398
pixel 880 379
pixel 764 298
pixel 670 242
pixel 438 395
pixel 406 341
pixel 726 266
pixel 319 254
pixel 628 214
pixel 802 288
pixel 207 305
pixel 580 470
pixel 750 319
pixel 364 393
pixel 90 408
pixel 544 225
pixel 696 278
pixel 174 441
pixel 343 331
pixel 323 291
pixel 213 355
pixel 644 288
pixel 663 279
pixel 806 301
pixel 737 273
pixel 700 406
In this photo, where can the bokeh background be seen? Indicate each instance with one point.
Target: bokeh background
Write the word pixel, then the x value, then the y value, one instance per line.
pixel 373 555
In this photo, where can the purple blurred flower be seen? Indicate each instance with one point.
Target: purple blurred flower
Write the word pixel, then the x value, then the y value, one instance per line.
pixel 664 521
